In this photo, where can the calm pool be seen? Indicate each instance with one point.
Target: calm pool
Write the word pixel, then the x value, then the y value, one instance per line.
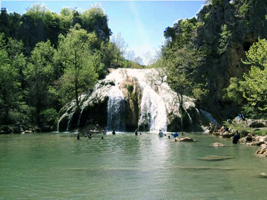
pixel 125 166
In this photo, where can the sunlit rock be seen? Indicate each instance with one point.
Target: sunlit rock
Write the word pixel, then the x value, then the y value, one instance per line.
pixel 262 151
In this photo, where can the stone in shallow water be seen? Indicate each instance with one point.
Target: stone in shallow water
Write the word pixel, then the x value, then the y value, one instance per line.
pixel 215 158
pixel 217 144
pixel 263 175
pixel 262 151
pixel 185 139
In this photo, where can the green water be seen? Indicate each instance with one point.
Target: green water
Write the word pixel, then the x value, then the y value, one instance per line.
pixel 125 166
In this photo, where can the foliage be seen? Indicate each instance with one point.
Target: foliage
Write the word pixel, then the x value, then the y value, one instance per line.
pixel 252 89
pixel 79 62
pixel 39 75
pixel 95 20
pixel 11 62
pixel 220 35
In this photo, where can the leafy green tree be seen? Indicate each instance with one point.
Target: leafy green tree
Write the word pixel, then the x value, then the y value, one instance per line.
pixel 255 82
pixel 39 76
pixel 95 20
pixel 10 90
pixel 77 56
pixel 253 87
pixel 8 82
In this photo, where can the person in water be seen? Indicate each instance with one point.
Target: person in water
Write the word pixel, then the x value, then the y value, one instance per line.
pixel 136 132
pixel 175 135
pixel 160 133
pixel 113 132
pixel 104 132
pixel 236 137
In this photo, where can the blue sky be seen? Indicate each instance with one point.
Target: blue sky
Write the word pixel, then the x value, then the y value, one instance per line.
pixel 141 23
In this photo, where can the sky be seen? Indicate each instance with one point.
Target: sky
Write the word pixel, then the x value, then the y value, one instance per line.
pixel 141 23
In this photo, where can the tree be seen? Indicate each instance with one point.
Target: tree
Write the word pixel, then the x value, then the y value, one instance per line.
pixel 253 86
pixel 255 82
pixel 95 20
pixel 109 53
pixel 39 76
pixel 9 84
pixel 78 59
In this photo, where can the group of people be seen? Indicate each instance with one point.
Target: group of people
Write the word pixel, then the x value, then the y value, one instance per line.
pixel 175 135
pixel 89 134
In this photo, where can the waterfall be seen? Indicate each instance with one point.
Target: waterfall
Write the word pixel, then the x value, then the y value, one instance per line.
pixel 153 111
pixel 132 98
pixel 116 110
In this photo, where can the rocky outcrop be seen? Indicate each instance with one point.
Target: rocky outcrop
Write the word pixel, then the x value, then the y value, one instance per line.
pixel 144 102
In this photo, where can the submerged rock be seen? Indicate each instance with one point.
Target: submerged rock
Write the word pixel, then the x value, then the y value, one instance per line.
pixel 185 139
pixel 217 144
pixel 215 158
pixel 263 175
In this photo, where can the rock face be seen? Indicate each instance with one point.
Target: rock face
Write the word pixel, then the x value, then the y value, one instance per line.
pixel 133 98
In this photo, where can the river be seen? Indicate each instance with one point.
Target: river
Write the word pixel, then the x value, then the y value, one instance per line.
pixel 125 166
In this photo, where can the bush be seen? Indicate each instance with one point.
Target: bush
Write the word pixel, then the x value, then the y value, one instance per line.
pixel 48 116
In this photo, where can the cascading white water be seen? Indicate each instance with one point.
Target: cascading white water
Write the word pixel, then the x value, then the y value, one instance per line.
pixel 153 109
pixel 116 110
pixel 149 100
